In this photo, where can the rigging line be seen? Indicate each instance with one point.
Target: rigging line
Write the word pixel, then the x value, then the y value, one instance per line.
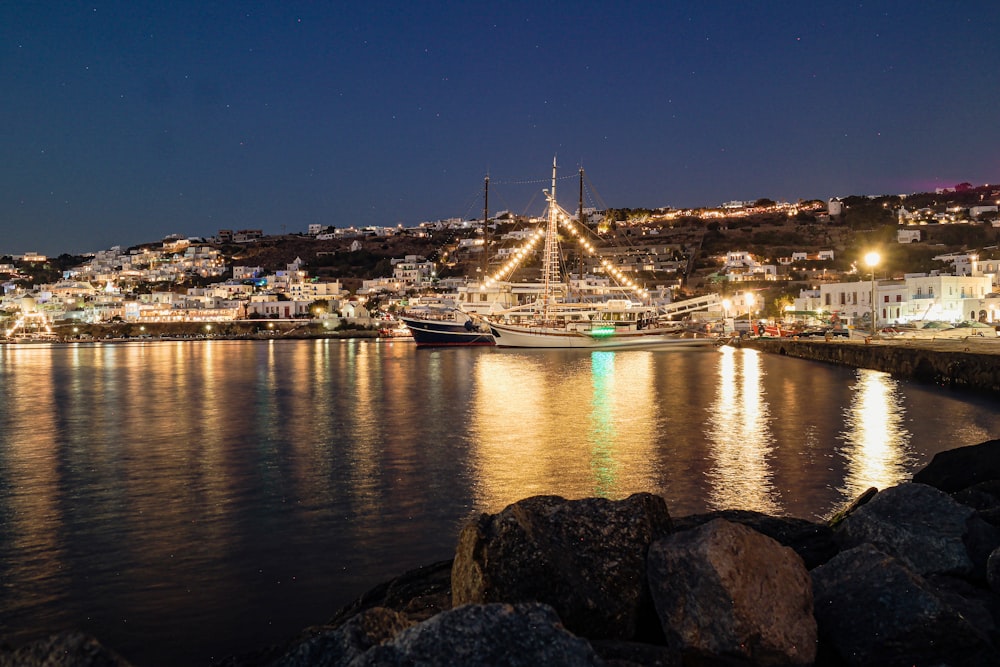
pixel 589 189
pixel 502 205
pixel 472 201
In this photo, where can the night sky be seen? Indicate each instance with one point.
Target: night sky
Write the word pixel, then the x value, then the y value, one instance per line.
pixel 122 122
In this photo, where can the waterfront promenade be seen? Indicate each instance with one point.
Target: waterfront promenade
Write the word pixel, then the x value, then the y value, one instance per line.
pixel 971 363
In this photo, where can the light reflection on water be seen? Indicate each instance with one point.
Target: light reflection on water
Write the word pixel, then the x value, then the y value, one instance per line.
pixel 739 436
pixel 876 439
pixel 230 493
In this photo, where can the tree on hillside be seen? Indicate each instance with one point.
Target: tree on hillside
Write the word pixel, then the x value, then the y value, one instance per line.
pixel 382 268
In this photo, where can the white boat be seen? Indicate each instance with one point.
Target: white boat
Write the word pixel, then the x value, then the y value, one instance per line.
pixel 551 322
pixel 598 334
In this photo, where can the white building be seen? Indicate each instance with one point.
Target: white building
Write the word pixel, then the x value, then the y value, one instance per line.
pixel 310 291
pixel 976 211
pixel 918 296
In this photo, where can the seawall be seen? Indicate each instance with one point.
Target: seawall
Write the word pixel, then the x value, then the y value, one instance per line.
pixel 972 363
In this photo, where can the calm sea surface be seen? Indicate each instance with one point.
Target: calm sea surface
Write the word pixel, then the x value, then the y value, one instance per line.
pixel 185 501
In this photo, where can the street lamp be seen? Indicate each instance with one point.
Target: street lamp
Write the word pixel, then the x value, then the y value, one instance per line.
pixel 725 314
pixel 748 297
pixel 872 260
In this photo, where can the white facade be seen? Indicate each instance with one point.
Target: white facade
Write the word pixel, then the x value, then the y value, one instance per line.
pixel 918 297
pixel 979 210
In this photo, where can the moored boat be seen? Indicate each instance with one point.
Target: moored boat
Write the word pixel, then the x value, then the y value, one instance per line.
pixel 594 336
pixel 447 327
pixel 399 331
pixel 552 322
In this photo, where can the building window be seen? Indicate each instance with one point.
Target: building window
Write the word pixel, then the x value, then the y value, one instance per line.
pixel 930 291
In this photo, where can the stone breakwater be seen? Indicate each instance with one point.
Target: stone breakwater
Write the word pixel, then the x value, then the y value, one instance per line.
pixel 908 575
pixel 972 363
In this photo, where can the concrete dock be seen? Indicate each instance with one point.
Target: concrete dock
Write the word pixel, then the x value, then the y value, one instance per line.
pixel 971 363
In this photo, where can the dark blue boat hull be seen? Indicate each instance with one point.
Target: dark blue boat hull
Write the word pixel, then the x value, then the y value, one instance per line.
pixel 444 332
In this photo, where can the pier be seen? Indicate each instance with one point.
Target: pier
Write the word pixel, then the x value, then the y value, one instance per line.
pixel 969 363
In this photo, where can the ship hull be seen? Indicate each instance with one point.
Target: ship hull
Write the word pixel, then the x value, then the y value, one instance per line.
pixel 517 336
pixel 446 333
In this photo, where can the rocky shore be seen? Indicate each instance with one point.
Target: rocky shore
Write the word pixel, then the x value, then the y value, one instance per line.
pixel 908 575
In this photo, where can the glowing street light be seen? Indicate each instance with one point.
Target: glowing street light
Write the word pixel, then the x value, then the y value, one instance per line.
pixel 748 297
pixel 872 260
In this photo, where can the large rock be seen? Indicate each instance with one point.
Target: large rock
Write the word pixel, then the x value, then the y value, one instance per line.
pixel 723 589
pixel 873 610
pixel 980 496
pixel 956 469
pixel 337 647
pixel 73 649
pixel 813 542
pixel 585 558
pixel 419 593
pixel 492 635
pixel 993 571
pixel 327 645
pixel 922 526
pixel 619 653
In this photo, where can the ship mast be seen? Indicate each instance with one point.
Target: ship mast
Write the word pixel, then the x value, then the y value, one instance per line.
pixel 486 232
pixel 583 225
pixel 550 255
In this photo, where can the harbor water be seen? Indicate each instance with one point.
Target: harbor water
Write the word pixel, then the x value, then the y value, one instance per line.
pixel 183 501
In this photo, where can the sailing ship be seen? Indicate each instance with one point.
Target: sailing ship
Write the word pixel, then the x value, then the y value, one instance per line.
pixel 551 321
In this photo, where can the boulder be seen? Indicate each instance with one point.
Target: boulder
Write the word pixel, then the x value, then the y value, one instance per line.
pixel 723 589
pixel 920 525
pixel 491 635
pixel 984 496
pixel 956 469
pixel 977 604
pixel 617 653
pixel 813 542
pixel 585 558
pixel 419 593
pixel 993 571
pixel 73 649
pixel 852 507
pixel 873 610
pixel 337 647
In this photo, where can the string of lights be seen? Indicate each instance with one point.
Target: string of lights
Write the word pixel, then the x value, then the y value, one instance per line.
pixel 567 222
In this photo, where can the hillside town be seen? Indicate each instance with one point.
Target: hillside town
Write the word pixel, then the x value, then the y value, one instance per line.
pixel 935 259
